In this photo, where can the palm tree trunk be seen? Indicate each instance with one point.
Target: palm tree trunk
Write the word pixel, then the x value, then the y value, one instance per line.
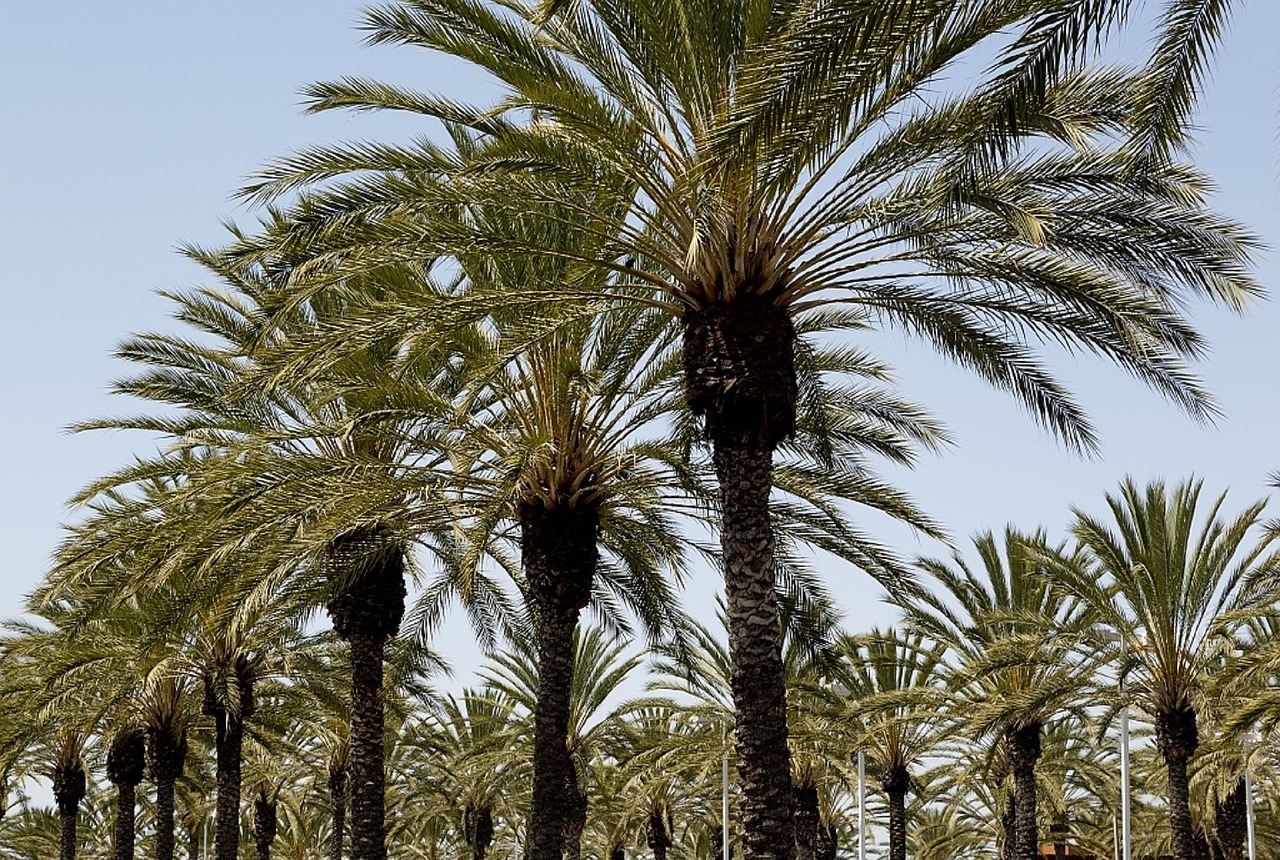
pixel 1177 739
pixel 126 816
pixel 551 763
pixel 366 612
pixel 657 835
pixel 168 752
pixel 164 819
pixel 828 842
pixel 1009 824
pixel 229 742
pixel 337 811
pixel 67 833
pixel 757 677
pixel 264 824
pixel 126 766
pixel 558 553
pixel 806 822
pixel 739 374
pixel 368 736
pixel 69 784
pixel 1230 823
pixel 1023 745
pixel 478 823
pixel 575 820
pixel 895 782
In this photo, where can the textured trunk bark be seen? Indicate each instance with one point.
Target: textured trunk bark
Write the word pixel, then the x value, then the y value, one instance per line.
pixel 126 766
pixel 229 743
pixel 547 813
pixel 1230 823
pixel 558 553
pixel 126 816
pixel 828 842
pixel 1009 825
pixel 264 825
pixel 758 678
pixel 895 782
pixel 69 784
pixel 806 822
pixel 227 814
pixel 656 833
pixel 337 812
pixel 167 750
pixel 368 737
pixel 575 819
pixel 164 819
pixel 478 824
pixel 1177 739
pixel 366 611
pixel 1023 745
pixel 67 832
pixel 739 374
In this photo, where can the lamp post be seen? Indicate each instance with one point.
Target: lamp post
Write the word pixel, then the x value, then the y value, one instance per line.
pixel 862 805
pixel 1249 741
pixel 1126 840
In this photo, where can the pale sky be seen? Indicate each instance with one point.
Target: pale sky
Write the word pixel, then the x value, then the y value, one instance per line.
pixel 129 125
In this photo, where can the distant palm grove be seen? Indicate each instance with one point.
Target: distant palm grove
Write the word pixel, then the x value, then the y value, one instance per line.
pixel 537 367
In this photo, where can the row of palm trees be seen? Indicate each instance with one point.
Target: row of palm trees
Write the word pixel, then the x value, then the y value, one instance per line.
pixel 988 719
pixel 503 353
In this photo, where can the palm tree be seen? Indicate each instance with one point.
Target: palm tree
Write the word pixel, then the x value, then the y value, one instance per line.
pixel 1182 574
pixel 1013 644
pixel 301 486
pixel 599 665
pixel 754 180
pixel 465 745
pixel 889 690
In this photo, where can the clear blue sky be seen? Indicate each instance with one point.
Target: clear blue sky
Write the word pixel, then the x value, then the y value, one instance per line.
pixel 129 124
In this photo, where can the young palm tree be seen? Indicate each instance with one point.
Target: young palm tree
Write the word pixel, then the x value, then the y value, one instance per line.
pixel 889 689
pixel 756 179
pixel 1184 574
pixel 1013 645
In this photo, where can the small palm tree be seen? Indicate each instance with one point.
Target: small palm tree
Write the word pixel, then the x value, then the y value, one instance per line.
pixel 1184 575
pixel 1013 646
pixel 889 689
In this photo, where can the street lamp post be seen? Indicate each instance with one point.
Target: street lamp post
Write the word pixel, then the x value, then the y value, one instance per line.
pixel 1249 741
pixel 862 805
pixel 1126 839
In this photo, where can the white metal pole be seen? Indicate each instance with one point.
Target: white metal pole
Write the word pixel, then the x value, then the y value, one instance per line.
pixel 1248 811
pixel 1126 844
pixel 862 805
pixel 724 804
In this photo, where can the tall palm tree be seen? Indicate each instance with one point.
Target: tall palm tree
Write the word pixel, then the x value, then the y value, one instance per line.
pixel 1182 574
pixel 755 179
pixel 1013 645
